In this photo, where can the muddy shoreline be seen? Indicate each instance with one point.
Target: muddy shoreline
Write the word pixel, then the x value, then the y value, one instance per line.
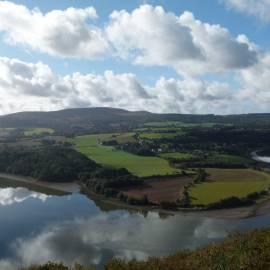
pixel 28 181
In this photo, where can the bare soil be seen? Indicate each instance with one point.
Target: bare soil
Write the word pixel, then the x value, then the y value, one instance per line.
pixel 161 189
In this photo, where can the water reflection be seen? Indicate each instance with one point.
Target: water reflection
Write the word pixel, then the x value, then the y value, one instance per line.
pixel 260 158
pixel 95 240
pixel 9 196
pixel 73 229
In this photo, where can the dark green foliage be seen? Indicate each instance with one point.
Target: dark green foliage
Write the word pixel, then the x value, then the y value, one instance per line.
pixel 168 205
pixel 201 176
pixel 231 202
pixel 109 182
pixel 143 200
pixel 54 164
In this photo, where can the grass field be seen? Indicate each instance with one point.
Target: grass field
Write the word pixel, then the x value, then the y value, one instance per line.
pixel 228 159
pixel 235 175
pixel 37 131
pixel 225 183
pixel 207 193
pixel 122 138
pixel 157 135
pixel 109 156
pixel 177 124
pixel 6 131
pixel 178 156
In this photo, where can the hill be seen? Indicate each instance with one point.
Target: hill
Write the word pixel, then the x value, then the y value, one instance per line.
pixel 108 119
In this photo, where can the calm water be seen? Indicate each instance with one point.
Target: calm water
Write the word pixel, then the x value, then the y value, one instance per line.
pixel 36 228
pixel 265 159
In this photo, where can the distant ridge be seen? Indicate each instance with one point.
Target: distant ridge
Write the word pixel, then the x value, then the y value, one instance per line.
pixel 113 118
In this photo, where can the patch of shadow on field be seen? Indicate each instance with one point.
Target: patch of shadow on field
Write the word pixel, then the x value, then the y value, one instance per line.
pixel 161 189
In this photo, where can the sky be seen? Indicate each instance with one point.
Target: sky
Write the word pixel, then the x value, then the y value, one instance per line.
pixel 165 56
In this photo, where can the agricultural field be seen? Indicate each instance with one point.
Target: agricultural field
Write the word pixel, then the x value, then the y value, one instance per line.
pixel 176 124
pixel 208 193
pixel 225 183
pixel 178 156
pixel 108 156
pixel 122 138
pixel 6 131
pixel 160 190
pixel 37 131
pixel 235 175
pixel 157 135
pixel 228 160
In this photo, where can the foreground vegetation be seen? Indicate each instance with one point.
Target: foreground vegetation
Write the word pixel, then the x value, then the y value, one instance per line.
pixel 240 252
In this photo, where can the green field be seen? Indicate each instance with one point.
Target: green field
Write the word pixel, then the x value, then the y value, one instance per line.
pixel 227 159
pixel 207 193
pixel 37 131
pixel 178 124
pixel 109 156
pixel 122 138
pixel 225 183
pixel 6 131
pixel 156 135
pixel 178 156
pixel 233 175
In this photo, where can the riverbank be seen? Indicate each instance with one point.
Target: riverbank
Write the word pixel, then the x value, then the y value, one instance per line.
pixel 28 182
pixel 261 208
pixel 258 209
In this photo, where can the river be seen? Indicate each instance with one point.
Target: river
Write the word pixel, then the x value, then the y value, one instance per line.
pixel 37 227
pixel 257 157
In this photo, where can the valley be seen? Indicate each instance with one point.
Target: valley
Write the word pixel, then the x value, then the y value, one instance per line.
pixel 156 161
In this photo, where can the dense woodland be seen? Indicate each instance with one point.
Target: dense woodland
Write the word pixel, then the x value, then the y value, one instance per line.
pixel 53 164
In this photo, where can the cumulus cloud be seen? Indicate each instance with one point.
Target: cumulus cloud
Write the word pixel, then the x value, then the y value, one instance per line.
pixel 64 33
pixel 99 238
pixel 188 45
pixel 33 86
pixel 147 35
pixel 256 83
pixel 257 8
pixel 10 196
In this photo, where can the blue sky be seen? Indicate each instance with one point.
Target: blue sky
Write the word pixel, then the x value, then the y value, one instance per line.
pixel 211 11
pixel 156 73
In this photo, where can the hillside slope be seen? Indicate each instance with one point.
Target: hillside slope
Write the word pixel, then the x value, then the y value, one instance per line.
pixel 111 118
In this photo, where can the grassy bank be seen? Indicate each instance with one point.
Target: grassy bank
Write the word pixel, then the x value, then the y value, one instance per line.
pixel 240 252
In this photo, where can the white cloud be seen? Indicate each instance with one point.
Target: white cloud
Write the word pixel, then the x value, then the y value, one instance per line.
pixel 256 83
pixel 65 33
pixel 221 51
pixel 156 37
pixel 159 36
pixel 257 8
pixel 95 240
pixel 33 86
pixel 10 196
pixel 147 35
